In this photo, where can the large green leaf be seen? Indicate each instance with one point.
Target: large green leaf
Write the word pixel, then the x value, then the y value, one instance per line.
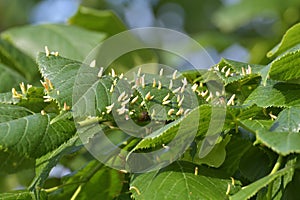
pixel 70 41
pixel 250 190
pixel 23 132
pixel 104 21
pixel 16 60
pixel 275 93
pixel 178 181
pixel 289 40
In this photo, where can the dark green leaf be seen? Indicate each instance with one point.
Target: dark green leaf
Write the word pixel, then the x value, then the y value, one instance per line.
pixel 250 190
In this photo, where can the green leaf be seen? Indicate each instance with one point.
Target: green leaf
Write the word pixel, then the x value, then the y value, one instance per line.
pixel 95 181
pixel 287 120
pixel 178 181
pixel 235 150
pixel 275 93
pixel 45 163
pixel 17 195
pixel 9 78
pixel 255 164
pixel 216 157
pixel 288 41
pixel 283 137
pixel 104 21
pixel 250 190
pixel 292 189
pixel 24 133
pixel 285 67
pixel 62 73
pixel 17 60
pixel 231 71
pixel 7 98
pixel 10 112
pixel 70 41
pixel 187 124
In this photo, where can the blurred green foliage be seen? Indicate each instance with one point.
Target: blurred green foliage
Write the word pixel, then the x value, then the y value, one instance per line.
pixel 256 25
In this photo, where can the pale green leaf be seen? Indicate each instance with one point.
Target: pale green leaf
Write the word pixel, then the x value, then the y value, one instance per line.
pixel 288 41
pixel 104 21
pixel 233 16
pixel 70 41
pixel 7 98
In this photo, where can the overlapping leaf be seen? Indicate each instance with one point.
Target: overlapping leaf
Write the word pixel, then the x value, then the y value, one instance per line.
pixel 285 67
pixel 279 94
pixel 283 137
pixel 24 133
pixel 289 40
pixel 17 60
pixel 96 182
pixel 9 78
pixel 230 71
pixel 250 190
pixel 70 41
